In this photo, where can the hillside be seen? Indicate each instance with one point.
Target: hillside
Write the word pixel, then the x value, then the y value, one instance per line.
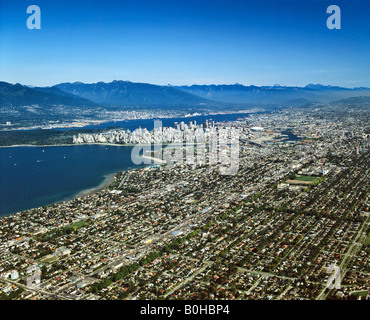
pixel 125 93
pixel 17 95
pixel 29 106
pixel 282 95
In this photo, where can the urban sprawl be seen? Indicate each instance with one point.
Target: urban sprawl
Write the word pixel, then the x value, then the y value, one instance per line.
pixel 273 230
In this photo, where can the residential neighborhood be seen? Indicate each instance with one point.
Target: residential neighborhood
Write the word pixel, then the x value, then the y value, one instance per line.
pixel 298 203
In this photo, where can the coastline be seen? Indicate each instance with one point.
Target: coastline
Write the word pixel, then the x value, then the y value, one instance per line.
pixel 249 111
pixel 107 178
pixel 94 122
pixel 84 144
pixel 66 145
pixel 107 181
pixel 90 144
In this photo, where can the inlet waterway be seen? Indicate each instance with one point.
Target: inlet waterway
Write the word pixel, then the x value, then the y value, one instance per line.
pixel 31 177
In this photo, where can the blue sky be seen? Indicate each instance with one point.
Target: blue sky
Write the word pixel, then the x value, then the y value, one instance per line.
pixel 186 42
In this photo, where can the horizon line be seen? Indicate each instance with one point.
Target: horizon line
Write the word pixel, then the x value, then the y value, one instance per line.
pixel 189 85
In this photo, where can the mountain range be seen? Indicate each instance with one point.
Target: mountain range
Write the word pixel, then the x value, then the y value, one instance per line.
pixel 31 106
pixel 66 100
pixel 129 94
pixel 18 95
pixel 275 95
pixel 125 94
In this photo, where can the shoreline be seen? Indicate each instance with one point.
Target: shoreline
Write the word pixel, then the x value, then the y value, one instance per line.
pixel 249 111
pixel 215 113
pixel 66 145
pixel 93 143
pixel 107 181
pixel 108 178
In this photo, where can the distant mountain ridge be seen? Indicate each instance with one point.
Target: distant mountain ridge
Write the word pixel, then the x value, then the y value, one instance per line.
pixel 19 95
pixel 354 101
pixel 31 106
pixel 126 93
pixel 283 95
pixel 27 106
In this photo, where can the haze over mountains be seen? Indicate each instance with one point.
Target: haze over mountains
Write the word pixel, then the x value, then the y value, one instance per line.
pixel 275 95
pixel 125 93
pixel 22 104
pixel 19 95
pixel 122 95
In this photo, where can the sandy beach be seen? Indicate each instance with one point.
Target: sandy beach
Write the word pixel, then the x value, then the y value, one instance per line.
pixel 108 179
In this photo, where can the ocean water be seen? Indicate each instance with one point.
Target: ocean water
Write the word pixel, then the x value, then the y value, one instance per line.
pixel 31 177
pixel 36 176
pixel 168 122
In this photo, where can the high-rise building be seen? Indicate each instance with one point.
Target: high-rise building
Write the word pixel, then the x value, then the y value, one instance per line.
pixel 14 275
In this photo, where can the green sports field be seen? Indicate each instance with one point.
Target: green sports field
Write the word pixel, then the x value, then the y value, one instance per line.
pixel 305 178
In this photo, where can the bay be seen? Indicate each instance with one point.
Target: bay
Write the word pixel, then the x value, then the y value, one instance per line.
pixel 133 124
pixel 31 177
